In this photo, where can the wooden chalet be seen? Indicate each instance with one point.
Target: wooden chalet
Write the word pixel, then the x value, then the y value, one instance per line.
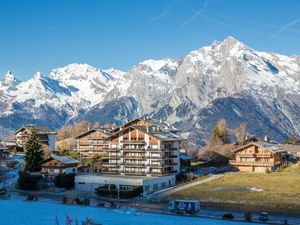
pixel 55 165
pixel 258 157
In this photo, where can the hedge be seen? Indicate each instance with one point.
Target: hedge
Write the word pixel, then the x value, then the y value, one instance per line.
pixel 104 191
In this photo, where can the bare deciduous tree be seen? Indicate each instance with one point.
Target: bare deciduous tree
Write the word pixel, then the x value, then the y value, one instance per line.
pixel 241 133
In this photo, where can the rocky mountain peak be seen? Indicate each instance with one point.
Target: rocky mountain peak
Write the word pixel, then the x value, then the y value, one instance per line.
pixel 224 80
pixel 9 80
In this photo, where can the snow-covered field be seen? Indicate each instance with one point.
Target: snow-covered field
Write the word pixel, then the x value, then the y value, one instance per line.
pixel 21 212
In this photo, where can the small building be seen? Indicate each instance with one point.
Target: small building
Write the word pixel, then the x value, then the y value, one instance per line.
pixel 259 156
pixel 58 165
pixel 4 152
pixel 185 162
pixel 9 144
pixel 292 150
pixel 88 183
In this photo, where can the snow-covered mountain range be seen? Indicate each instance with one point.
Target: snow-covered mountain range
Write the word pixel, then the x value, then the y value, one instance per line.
pixel 224 80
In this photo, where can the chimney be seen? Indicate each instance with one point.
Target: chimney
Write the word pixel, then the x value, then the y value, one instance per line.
pixel 267 139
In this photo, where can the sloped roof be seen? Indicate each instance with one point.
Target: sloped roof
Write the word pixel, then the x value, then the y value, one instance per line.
pixel 152 121
pixel 38 129
pixel 271 147
pixel 107 131
pixel 185 156
pixel 290 148
pixel 63 159
pixel 158 133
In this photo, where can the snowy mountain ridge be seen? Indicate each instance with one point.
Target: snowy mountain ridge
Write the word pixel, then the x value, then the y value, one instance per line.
pixel 224 80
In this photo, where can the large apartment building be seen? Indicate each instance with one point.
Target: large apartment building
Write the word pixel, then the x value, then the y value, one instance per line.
pixel 140 147
pixel 46 136
pixel 92 142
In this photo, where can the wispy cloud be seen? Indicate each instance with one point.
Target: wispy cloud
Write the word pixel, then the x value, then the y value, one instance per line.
pixel 165 11
pixel 195 15
pixel 285 27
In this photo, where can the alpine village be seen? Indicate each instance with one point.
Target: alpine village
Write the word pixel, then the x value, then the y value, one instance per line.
pixel 143 112
pixel 146 164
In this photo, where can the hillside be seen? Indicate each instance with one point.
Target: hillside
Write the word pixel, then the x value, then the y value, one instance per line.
pixel 251 191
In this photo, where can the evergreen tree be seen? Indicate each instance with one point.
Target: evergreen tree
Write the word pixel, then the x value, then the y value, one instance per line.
pixel 34 154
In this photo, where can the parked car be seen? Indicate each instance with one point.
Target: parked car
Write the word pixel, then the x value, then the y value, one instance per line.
pixel 264 216
pixel 228 216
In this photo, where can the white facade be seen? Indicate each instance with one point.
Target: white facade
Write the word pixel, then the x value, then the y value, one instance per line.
pixel 88 183
pixel 51 141
pixel 56 171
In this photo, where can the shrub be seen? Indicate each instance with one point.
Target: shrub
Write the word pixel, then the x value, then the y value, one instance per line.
pixel 228 216
pixel 28 182
pixel 64 180
pixel 268 171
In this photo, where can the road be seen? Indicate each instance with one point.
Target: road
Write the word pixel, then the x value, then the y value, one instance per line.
pixel 11 177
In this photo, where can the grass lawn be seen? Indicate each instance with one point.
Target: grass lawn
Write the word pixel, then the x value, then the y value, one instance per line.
pixel 278 192
pixel 197 163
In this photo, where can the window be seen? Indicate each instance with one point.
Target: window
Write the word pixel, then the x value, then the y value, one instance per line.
pixel 147 187
pixel 155 186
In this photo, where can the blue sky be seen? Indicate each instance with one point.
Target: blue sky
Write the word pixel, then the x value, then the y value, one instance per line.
pixel 39 35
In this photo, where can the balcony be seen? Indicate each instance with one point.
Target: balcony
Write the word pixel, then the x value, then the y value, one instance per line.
pixel 154 157
pixel 110 149
pixel 256 163
pixel 248 155
pixel 126 164
pixel 153 165
pixel 155 173
pixel 109 156
pixel 99 144
pixel 263 155
pixel 89 149
pixel 110 171
pixel 142 156
pixel 154 150
pixel 133 173
pixel 132 149
pixel 114 165
pixel 133 141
